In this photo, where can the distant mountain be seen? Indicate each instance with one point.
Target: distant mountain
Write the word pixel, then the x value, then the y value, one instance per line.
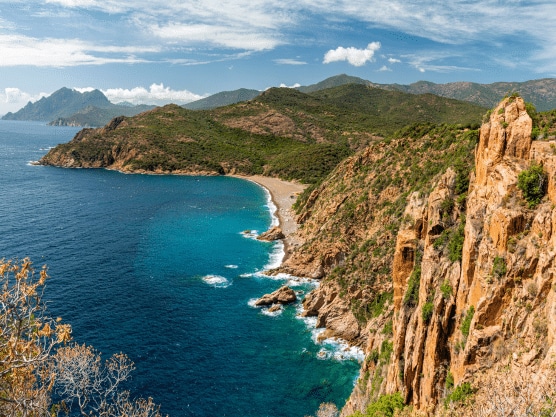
pixel 92 116
pixel 69 107
pixel 335 81
pixel 224 98
pixel 542 93
pixel 62 103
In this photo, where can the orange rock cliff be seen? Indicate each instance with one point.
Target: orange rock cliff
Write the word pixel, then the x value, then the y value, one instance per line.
pixel 462 313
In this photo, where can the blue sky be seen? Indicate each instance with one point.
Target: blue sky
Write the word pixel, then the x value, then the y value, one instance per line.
pixel 151 51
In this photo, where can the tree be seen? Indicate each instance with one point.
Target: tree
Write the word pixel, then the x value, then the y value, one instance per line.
pixel 27 339
pixel 37 360
pixel 86 384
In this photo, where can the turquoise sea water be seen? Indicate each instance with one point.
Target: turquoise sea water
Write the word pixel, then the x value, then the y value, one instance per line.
pixel 162 269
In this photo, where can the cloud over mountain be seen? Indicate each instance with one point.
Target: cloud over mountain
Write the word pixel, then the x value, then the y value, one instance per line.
pixel 356 57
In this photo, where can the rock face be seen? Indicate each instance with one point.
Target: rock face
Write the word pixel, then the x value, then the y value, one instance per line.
pixel 472 274
pixel 505 276
pixel 275 233
pixel 283 295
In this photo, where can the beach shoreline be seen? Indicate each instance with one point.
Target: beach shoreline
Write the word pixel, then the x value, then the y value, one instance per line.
pixel 283 194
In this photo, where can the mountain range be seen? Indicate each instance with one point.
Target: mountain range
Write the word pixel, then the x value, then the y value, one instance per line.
pixel 542 93
pixel 67 107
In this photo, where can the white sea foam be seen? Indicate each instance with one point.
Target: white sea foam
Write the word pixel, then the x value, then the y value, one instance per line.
pixel 271 207
pixel 230 266
pixel 267 312
pixel 250 234
pixel 276 255
pixel 216 281
pixel 331 348
pixel 265 309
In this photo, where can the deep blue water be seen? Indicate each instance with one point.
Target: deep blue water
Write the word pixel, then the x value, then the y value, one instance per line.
pixel 157 267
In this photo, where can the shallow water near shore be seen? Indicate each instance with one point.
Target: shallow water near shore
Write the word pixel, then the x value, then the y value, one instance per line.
pixel 163 268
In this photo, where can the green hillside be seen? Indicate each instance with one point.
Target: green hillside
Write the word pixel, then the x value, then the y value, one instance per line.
pixel 283 133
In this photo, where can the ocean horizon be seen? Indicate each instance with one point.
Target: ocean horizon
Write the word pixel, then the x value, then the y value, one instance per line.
pixel 166 269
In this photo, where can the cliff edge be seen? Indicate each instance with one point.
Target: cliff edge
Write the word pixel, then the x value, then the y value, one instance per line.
pixel 463 293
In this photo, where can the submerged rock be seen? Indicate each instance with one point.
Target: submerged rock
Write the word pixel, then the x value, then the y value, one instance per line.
pixel 284 295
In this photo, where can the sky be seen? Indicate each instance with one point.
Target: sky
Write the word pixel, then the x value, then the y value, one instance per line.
pixel 156 52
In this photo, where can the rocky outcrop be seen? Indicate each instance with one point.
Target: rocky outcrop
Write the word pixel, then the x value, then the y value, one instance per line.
pixel 283 295
pixel 333 313
pixel 274 233
pixel 471 273
pixel 496 304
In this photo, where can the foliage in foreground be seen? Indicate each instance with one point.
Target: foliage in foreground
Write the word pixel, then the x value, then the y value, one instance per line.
pixel 38 362
pixel 385 406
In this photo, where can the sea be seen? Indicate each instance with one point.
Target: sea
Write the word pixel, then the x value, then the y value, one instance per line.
pixel 166 270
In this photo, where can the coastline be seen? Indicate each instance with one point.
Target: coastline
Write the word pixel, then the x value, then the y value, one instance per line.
pixel 283 194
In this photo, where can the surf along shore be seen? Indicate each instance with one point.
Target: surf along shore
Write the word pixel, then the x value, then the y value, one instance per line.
pixel 283 195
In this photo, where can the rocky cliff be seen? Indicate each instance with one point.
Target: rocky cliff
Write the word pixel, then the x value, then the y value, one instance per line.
pixel 460 288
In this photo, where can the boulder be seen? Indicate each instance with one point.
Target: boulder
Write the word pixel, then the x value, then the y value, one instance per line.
pixel 275 233
pixel 284 295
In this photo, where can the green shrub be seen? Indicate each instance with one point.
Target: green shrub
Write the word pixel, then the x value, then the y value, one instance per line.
pixel 386 350
pixel 446 289
pixel 455 245
pixel 532 182
pixel 499 268
pixel 388 328
pixel 466 323
pixel 373 356
pixel 447 208
pixel 427 310
pixel 412 293
pixel 385 406
pixel 459 394
pixel 449 383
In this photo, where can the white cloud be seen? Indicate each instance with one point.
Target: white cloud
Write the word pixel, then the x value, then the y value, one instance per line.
pixel 356 57
pixel 435 62
pixel 287 61
pixel 384 68
pixel 226 36
pixel 13 99
pixel 394 61
pixel 20 50
pixel 156 94
pixel 260 25
pixel 296 85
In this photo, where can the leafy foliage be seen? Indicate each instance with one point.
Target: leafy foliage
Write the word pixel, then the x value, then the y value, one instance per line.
pixel 459 394
pixel 533 182
pixel 411 296
pixel 427 310
pixel 446 289
pixel 499 267
pixel 385 406
pixel 466 323
pixel 451 241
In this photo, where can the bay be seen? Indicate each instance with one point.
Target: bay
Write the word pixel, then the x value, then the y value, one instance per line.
pixel 162 268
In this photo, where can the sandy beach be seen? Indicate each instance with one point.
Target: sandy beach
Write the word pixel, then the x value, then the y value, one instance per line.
pixel 283 194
